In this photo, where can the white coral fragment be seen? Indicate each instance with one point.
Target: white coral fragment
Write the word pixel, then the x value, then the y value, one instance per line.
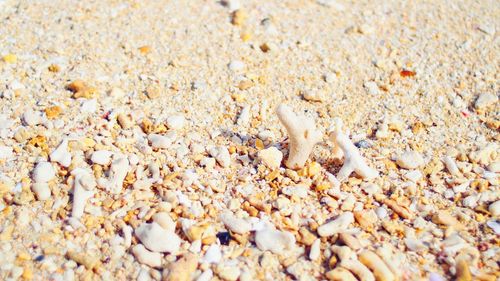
pixel 83 186
pixel 61 155
pixel 302 133
pixel 353 161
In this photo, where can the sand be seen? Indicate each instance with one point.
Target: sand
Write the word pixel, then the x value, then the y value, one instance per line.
pixel 179 97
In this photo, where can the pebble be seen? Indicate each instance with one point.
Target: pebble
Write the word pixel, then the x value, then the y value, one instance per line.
pixel 235 224
pixel 157 239
pixel 61 154
pixel 371 87
pixel 236 65
pixel 314 96
pixel 43 172
pixel 5 152
pixel 213 254
pixel 182 269
pixel 228 273
pixel 315 250
pixel 165 221
pixel 146 257
pixel 116 93
pixel 221 155
pixel 278 242
pixel 89 106
pixel 410 160
pixel 494 208
pixel 160 141
pixel 31 118
pixel 244 117
pixel 271 157
pixel 299 191
pixel 340 224
pixel 207 275
pixel 176 122
pixel 101 157
pixel 41 190
pixel 485 100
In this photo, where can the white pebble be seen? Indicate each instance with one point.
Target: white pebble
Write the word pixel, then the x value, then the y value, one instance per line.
pixel 146 257
pixel 315 250
pixel 205 276
pixel 41 190
pixel 43 172
pixel 164 220
pixel 410 160
pixel 271 157
pixel 494 208
pixel 275 241
pixel 221 154
pixel 381 212
pixel 485 100
pixel 89 106
pixel 61 154
pixel 176 122
pixel 299 190
pixel 213 254
pixel 236 65
pixel 244 117
pixel 101 157
pixel 157 239
pixel 5 152
pixel 340 224
pixel 371 87
pixel 235 224
pixel 413 175
pixel 160 141
pixel 31 118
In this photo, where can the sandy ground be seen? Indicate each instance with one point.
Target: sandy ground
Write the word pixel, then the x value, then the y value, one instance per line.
pixel 161 115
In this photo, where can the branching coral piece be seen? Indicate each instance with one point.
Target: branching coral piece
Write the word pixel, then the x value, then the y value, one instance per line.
pixel 302 133
pixel 353 161
pixel 83 187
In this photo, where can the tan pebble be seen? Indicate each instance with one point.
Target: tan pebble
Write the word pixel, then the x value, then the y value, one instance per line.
pixel 340 274
pixel 182 269
pixel 153 91
pixel 444 218
pixel 245 85
pixel 125 121
pixel 90 262
pixel 239 17
pixel 377 265
pixel 313 96
pixel 463 271
pixel 271 157
pixel 485 100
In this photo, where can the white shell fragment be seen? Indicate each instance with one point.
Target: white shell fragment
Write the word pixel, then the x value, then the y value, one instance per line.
pixel 157 239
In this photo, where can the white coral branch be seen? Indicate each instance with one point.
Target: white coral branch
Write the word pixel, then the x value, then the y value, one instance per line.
pixel 302 133
pixel 353 161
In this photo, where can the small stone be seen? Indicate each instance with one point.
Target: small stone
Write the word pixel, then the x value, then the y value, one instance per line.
pixel 271 157
pixel 125 121
pixel 410 160
pixel 239 17
pixel 228 273
pixel 182 269
pixel 165 221
pixel 278 242
pixel 89 106
pixel 315 250
pixel 213 254
pixel 485 100
pixel 31 118
pixel 5 152
pixel 224 238
pixel 245 85
pixel 53 112
pixel 221 154
pixel 117 93
pixel 146 257
pixel 494 208
pixel 101 157
pixel 43 172
pixel 10 58
pixel 157 239
pixel 80 89
pixel 444 218
pixel 41 190
pixel 340 224
pixel 235 224
pixel 90 262
pixel 372 88
pixel 244 117
pixel 236 65
pixel 299 190
pixel 176 122
pixel 61 155
pixel 161 141
pixel 314 96
pixel 153 91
